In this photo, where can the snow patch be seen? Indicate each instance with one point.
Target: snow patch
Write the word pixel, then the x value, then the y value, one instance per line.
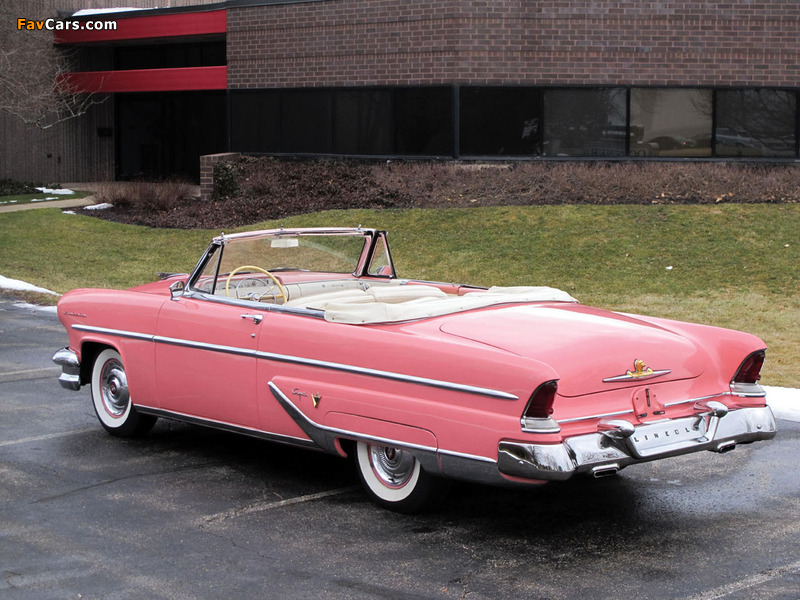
pixel 59 191
pixel 784 402
pixel 22 286
pixel 43 309
pixel 101 206
pixel 85 12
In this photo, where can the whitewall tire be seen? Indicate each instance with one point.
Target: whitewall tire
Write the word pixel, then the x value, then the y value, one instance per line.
pixel 394 479
pixel 111 397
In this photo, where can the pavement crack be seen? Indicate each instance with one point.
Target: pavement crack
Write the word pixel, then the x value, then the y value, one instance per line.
pixel 107 482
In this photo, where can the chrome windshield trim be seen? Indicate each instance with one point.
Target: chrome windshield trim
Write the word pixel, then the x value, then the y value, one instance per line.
pixel 447 385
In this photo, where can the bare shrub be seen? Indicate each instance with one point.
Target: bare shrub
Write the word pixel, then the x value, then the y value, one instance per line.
pixel 149 196
pixel 272 188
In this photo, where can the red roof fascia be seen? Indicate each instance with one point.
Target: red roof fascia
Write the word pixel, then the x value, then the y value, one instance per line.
pixel 148 80
pixel 154 26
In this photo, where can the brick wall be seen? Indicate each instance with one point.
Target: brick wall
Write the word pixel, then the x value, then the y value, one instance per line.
pixel 547 42
pixel 207 164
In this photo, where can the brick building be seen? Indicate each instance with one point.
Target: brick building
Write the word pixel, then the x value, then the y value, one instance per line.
pixel 455 79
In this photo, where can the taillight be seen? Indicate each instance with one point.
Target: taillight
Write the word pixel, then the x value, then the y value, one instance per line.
pixel 540 406
pixel 750 369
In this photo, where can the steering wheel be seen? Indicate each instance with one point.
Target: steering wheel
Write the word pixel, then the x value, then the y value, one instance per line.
pixel 274 279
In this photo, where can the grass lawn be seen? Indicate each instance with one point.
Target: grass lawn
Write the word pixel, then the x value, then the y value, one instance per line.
pixel 733 265
pixel 39 197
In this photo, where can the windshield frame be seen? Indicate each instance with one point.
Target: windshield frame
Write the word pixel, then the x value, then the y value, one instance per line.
pixel 216 249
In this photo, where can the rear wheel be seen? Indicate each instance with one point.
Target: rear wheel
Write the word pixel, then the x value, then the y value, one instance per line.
pixel 394 479
pixel 112 400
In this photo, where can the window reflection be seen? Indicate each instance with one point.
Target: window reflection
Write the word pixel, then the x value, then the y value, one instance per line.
pixel 583 122
pixel 500 121
pixel 758 122
pixel 364 122
pixel 670 122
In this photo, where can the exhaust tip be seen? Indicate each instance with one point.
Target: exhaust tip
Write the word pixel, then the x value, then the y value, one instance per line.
pixel 724 447
pixel 605 471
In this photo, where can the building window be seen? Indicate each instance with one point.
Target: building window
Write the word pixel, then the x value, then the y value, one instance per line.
pixel 364 122
pixel 170 56
pixel 423 121
pixel 585 122
pixel 499 121
pixel 255 121
pixel 307 123
pixel 670 122
pixel 758 122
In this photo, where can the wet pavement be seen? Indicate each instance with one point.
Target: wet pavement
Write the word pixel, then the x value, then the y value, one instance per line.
pixel 188 512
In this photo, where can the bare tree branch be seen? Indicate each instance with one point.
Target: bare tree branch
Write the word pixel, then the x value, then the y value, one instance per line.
pixel 33 82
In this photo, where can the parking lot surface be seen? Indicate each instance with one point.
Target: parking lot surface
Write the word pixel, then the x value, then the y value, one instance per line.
pixel 187 512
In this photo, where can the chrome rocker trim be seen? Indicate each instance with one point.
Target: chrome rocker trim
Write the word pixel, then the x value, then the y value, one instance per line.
pixel 70 378
pixel 617 445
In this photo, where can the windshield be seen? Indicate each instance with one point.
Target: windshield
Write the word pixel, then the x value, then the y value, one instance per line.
pixel 278 253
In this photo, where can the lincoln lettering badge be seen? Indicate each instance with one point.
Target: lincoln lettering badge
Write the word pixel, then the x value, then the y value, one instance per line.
pixel 640 371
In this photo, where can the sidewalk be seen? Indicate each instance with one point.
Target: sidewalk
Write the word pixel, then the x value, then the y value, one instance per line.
pixel 70 202
pixel 65 203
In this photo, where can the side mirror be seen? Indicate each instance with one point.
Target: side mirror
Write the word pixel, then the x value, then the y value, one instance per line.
pixel 176 290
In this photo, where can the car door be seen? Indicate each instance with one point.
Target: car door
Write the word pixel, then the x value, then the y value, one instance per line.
pixel 205 359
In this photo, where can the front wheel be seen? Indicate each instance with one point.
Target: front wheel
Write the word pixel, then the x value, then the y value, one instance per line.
pixel 112 400
pixel 394 479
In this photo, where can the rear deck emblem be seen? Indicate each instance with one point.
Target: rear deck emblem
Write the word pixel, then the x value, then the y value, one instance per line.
pixel 640 371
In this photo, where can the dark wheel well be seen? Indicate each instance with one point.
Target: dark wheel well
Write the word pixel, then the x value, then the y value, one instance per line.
pixel 89 352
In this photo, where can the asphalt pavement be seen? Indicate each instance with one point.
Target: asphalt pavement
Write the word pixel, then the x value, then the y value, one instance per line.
pixel 191 513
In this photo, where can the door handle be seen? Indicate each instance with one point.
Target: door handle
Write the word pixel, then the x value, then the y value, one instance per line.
pixel 256 318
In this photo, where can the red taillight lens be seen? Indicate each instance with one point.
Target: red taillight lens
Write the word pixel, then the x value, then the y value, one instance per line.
pixel 540 406
pixel 750 369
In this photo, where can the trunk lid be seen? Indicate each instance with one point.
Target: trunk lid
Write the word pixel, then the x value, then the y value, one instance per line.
pixel 584 345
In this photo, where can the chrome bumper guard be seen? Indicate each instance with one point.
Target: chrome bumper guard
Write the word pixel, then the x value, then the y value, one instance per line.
pixel 70 377
pixel 602 454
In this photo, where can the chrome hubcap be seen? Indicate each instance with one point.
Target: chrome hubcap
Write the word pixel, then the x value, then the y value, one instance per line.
pixel 392 466
pixel 114 386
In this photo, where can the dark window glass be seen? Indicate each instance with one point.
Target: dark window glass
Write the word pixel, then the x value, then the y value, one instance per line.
pixel 500 121
pixel 307 121
pixel 170 56
pixel 164 134
pixel 364 122
pixel 670 122
pixel 88 58
pixel 255 121
pixel 584 122
pixel 758 122
pixel 423 121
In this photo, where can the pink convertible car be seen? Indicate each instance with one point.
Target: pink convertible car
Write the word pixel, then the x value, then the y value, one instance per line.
pixel 308 337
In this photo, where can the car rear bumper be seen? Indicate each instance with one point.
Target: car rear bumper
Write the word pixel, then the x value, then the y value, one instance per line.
pixel 70 377
pixel 605 453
